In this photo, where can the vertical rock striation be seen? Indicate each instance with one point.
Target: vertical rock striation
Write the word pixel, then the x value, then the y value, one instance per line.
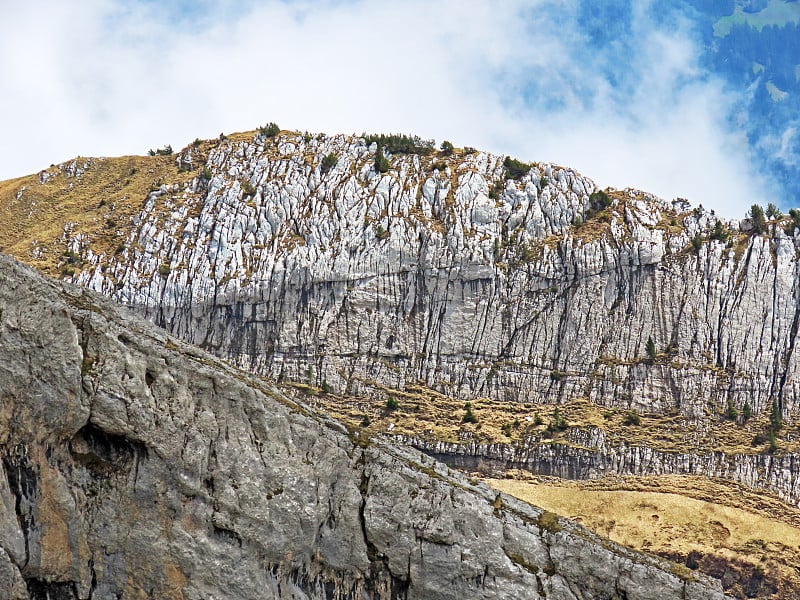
pixel 293 257
pixel 448 272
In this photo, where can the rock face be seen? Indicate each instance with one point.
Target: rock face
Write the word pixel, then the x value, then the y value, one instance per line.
pixel 447 271
pixel 294 257
pixel 579 460
pixel 136 466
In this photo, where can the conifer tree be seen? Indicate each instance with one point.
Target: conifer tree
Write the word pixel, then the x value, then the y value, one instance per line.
pixel 651 347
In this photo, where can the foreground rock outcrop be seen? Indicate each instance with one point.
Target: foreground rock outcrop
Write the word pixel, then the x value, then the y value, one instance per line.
pixel 136 466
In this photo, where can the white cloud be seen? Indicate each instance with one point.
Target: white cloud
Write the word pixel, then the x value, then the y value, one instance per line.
pixel 119 77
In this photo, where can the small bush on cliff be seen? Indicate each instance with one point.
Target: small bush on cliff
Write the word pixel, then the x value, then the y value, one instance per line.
pixel 469 416
pixel 548 521
pixel 516 169
pixel 398 143
pixel 773 212
pixel 497 190
pixel 731 413
pixel 598 202
pixel 719 233
pixel 446 148
pixel 381 233
pixel 557 421
pixel 631 418
pixel 381 162
pixel 270 130
pixel 392 404
pixel 650 347
pixel 329 161
pixel 772 440
pixel 795 224
pixel 775 418
pixel 248 189
pixel 769 435
pixel 165 151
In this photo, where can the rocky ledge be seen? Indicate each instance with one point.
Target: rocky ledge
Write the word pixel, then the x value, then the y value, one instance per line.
pixel 583 457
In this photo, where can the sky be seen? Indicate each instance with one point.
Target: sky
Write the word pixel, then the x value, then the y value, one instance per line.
pixel 518 77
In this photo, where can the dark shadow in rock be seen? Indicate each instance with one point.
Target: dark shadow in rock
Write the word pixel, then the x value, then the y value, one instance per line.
pixel 100 451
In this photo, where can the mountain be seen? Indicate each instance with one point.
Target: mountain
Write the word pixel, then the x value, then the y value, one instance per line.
pixel 496 314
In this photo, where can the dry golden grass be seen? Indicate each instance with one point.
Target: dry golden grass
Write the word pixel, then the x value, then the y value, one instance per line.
pixel 594 229
pixel 670 520
pixel 429 414
pixel 425 413
pixel 671 223
pixel 99 203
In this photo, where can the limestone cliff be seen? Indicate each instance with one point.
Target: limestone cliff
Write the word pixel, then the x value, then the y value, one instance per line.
pixel 447 271
pixel 299 257
pixel 136 466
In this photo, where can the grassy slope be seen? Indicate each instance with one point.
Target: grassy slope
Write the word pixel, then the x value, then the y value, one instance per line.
pixel 97 203
pixel 422 410
pixel 752 543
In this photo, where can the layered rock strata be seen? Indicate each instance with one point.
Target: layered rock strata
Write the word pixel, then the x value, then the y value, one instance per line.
pixel 295 258
pixel 580 461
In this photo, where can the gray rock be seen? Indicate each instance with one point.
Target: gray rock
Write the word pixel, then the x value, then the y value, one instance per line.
pixel 591 457
pixel 139 466
pixel 470 295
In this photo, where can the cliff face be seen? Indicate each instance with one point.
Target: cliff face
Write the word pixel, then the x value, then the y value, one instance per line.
pixel 591 457
pixel 136 466
pixel 294 257
pixel 446 271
